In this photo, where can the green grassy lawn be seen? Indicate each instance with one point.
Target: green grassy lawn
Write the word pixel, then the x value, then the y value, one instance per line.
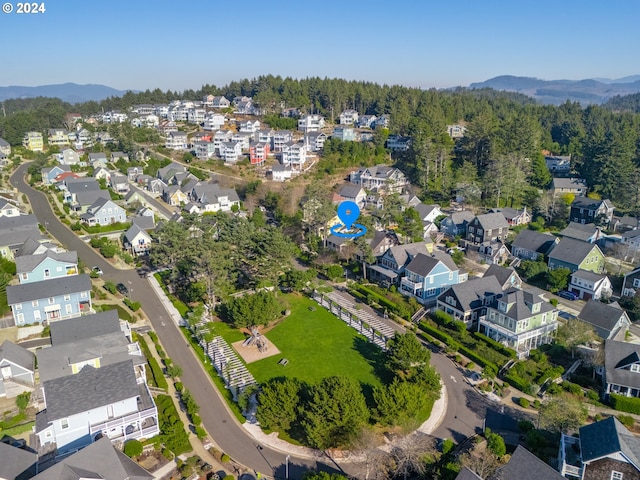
pixel 318 345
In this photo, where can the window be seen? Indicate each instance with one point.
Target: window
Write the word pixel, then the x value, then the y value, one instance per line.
pixel 64 423
pixel 36 315
pixel 67 297
pixel 34 303
pixel 69 309
pixel 47 273
pixel 450 300
pixel 51 300
pixel 18 306
pixel 450 276
pixel 616 475
pixel 635 367
pixel 83 294
pixel 24 276
pixel 20 318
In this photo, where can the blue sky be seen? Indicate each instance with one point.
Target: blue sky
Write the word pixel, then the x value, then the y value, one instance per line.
pixel 139 44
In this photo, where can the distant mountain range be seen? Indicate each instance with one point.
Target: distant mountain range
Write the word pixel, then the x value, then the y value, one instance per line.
pixel 555 92
pixel 67 92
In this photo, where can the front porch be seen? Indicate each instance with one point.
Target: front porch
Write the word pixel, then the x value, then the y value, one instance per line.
pixel 522 342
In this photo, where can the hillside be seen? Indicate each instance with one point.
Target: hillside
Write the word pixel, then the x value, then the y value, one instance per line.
pixel 556 92
pixel 67 92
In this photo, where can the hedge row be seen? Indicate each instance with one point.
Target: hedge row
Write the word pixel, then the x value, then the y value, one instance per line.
pixel 450 342
pixel 517 382
pixel 156 370
pixel 625 404
pixel 382 300
pixel 506 351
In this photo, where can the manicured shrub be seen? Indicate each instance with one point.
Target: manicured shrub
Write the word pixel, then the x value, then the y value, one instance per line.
pixel 508 352
pixel 524 402
pixel 625 404
pixel 132 448
pixel 225 458
pixel 178 386
pixel 626 420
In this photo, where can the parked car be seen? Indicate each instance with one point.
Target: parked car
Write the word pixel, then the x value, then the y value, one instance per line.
pixel 96 269
pixel 568 295
pixel 122 288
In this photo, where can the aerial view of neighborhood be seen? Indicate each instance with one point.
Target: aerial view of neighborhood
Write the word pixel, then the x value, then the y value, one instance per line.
pixel 226 254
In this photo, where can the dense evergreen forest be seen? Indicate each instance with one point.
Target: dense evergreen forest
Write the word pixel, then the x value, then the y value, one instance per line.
pixel 500 153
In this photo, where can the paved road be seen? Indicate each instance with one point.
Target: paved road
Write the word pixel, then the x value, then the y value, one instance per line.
pixel 219 422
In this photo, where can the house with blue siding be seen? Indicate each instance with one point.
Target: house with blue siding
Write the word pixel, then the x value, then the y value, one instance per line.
pixel 50 300
pixel 45 266
pixel 389 268
pixel 104 212
pixel 426 276
pixel 50 173
pixel 456 224
pixel 17 369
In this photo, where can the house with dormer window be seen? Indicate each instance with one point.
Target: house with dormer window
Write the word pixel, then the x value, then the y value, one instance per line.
pixel 468 301
pixel 489 227
pixel 104 212
pixel 426 276
pixel 521 320
pixel 389 268
pixel 621 368
pixel 589 285
pixel 45 266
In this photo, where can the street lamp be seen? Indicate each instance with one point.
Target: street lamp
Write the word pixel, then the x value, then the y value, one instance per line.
pixel 286 471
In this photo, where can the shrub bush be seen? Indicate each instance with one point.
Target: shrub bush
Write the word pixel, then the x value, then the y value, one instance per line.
pixel 447 446
pixel 200 432
pixel 508 352
pixel 593 395
pixel 524 402
pixel 178 386
pixel 225 458
pixel 625 404
pixel 626 420
pixel 536 403
pixel 132 448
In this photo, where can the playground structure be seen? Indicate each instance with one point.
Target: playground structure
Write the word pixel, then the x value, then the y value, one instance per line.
pixel 258 340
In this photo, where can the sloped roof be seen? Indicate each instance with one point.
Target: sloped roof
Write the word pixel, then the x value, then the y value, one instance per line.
pixel 571 250
pixel 87 326
pixel 492 221
pixel 524 465
pixel 607 437
pixel 466 474
pixel 48 288
pixel 502 274
pixel 600 315
pixel 15 230
pixel 470 294
pixel 617 356
pixel 18 355
pixel 350 191
pixel 573 183
pixel 519 303
pixel 402 253
pixel 589 276
pixel 97 460
pixel 16 463
pixel 579 231
pixel 90 388
pixel 145 222
pixel 459 218
pixel 425 210
pixel 590 203
pixel 26 263
pixel 424 264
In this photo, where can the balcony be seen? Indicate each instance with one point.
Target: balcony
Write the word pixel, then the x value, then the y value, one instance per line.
pixel 410 286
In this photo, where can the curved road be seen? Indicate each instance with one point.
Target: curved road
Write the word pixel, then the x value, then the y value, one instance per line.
pixel 465 410
pixel 223 427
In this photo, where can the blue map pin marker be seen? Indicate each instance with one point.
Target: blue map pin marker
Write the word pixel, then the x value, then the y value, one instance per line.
pixel 348 213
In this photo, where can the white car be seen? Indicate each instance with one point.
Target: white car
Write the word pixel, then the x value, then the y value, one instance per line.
pixel 97 270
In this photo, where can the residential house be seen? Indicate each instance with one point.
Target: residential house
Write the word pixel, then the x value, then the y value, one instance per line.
pixel 45 266
pixel 589 210
pixel 144 218
pixel 294 155
pixel 135 196
pixel 558 165
pixel 8 209
pixel 382 121
pixel 344 134
pixel 265 136
pixel 348 117
pixel 281 173
pixel 569 186
pixel 220 102
pixel 352 193
pixel 521 320
pixel 63 177
pixel 231 152
pixel 176 141
pixel 167 126
pixel 311 123
pixel 507 276
pixel 17 463
pixel 99 460
pixel 621 368
pixel 493 252
pixel 603 450
pixel 514 217
pixel 258 152
pixel 281 138
pixel 456 131
pixel 104 212
pixel 631 283
pixel 244 106
pixel 102 173
pixel 530 245
pixel 576 255
pixel 366 121
pixel 631 240
pixel 174 196
pixel 14 231
pixel 32 247
pixel 488 227
pixel 17 369
pixel 624 223
pixel 57 137
pixel 249 126
pixel 220 137
pixel 204 149
pixel 380 178
pixel 94 403
pixel 607 319
pixel 213 122
pixel 381 242
pixel 196 115
pixel 154 185
pixel 68 156
pixel 136 240
pixel 119 183
pixel 426 276
pixel 466 474
pixel 33 141
pixel 588 285
pixel 244 139
pixel 50 300
pixel 5 147
pixel 587 232
pixel 314 141
pixel 338 244
pixel 468 301
pixel 50 173
pixel 398 143
pixel 168 173
pixel 115 156
pixel 210 197
pixel 133 173
pixel 98 159
pixel 456 224
pixel 389 268
pixel 524 465
pixel 428 213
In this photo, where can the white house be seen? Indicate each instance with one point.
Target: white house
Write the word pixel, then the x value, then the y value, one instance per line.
pixel 589 285
pixel 311 123
pixel 348 117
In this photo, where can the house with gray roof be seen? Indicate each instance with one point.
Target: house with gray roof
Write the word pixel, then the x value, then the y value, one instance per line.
pixel 507 276
pixel 621 368
pixel 489 227
pixel 14 231
pixel 558 165
pixel 50 173
pixel 17 463
pixel 524 465
pixel 167 173
pixel 426 276
pixel 81 193
pixel 211 197
pixel 352 193
pixel 590 210
pixel 631 283
pixel 95 403
pixel 88 326
pixel 50 300
pixel 32 247
pixel 98 159
pixel 589 285
pixel 603 450
pixel 575 255
pixel 514 216
pixel 100 460
pixel 5 147
pixel 456 223
pixel 607 319
pixel 428 213
pixel 390 266
pixel 137 240
pixel 45 266
pixel 104 211
pixel 468 301
pixel 119 183
pixel 17 369
pixel 466 474
pixel 521 320
pixel 566 186
pixel 587 232
pixel 146 222
pixel 380 178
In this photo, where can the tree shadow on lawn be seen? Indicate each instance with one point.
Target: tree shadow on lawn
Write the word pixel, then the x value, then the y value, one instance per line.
pixel 377 358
